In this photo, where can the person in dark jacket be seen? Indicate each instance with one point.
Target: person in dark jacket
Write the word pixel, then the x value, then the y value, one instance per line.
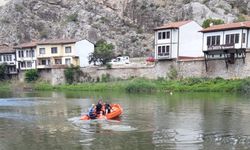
pixel 99 107
pixel 107 108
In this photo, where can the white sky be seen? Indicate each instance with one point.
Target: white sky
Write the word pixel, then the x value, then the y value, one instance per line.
pixel 2 2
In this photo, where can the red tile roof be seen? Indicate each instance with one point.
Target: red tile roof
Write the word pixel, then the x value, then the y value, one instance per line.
pixel 229 26
pixel 4 48
pixel 173 25
pixel 56 41
pixel 34 43
pixel 27 45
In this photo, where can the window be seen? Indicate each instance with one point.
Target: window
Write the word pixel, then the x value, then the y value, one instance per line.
pixel 53 50
pixel 41 50
pixel 213 40
pixel 20 54
pixel 232 38
pixel 29 64
pixel 159 35
pixel 67 61
pixel 163 50
pixel 10 57
pixel 58 61
pixel 43 62
pixel 163 35
pixel 31 53
pixel 243 37
pixel 68 49
pixel 27 53
pixel 0 57
pixel 168 35
pixel 23 65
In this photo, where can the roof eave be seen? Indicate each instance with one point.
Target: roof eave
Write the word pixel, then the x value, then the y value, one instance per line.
pixel 226 29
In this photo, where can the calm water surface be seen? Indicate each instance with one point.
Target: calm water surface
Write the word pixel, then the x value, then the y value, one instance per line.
pixel 50 121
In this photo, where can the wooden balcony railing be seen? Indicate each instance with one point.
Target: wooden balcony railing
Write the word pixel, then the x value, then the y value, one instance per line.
pixel 220 47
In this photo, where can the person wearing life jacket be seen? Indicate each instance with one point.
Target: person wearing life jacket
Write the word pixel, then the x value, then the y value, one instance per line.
pixel 91 112
pixel 107 108
pixel 99 107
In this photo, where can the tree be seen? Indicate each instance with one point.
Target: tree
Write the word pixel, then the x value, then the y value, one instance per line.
pixel 72 74
pixel 206 23
pixel 31 75
pixel 103 53
pixel 3 71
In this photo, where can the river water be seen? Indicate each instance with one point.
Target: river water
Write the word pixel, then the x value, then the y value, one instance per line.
pixel 50 121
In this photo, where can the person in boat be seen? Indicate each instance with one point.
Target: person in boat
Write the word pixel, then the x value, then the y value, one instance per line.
pixel 99 107
pixel 107 108
pixel 91 113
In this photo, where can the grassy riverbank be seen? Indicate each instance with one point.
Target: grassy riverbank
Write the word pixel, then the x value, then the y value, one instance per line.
pixel 161 85
pixel 5 86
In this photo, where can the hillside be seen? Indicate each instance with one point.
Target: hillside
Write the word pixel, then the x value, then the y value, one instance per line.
pixel 127 24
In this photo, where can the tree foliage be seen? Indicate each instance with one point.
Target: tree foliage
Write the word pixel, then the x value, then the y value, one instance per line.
pixel 3 71
pixel 206 23
pixel 72 74
pixel 103 53
pixel 31 75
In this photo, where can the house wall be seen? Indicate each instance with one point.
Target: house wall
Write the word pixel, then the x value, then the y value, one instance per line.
pixel 26 58
pixel 61 54
pixel 248 36
pixel 223 37
pixel 83 49
pixel 190 40
pixel 172 42
pixel 8 61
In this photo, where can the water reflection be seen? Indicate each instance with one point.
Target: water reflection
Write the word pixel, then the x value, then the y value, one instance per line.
pixel 50 120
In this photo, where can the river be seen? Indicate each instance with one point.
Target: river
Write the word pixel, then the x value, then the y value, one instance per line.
pixel 50 121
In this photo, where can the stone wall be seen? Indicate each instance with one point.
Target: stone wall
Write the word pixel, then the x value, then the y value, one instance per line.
pixel 185 68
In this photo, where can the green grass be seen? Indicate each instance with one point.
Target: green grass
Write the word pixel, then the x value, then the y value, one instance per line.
pixel 5 86
pixel 141 85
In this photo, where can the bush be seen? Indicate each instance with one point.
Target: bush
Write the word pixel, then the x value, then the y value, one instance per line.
pixel 73 17
pixel 3 72
pixel 31 75
pixel 173 74
pixel 72 74
pixel 244 87
pixel 106 77
pixel 206 23
pixel 140 85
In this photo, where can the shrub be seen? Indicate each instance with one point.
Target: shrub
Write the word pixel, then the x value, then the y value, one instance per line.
pixel 69 75
pixel 244 87
pixel 108 66
pixel 173 74
pixel 31 75
pixel 140 85
pixel 3 71
pixel 73 73
pixel 206 23
pixel 73 17
pixel 106 78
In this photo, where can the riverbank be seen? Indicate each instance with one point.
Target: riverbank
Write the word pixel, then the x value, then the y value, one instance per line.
pixel 5 86
pixel 140 85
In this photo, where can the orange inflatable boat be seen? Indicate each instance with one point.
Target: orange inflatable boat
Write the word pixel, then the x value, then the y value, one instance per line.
pixel 116 111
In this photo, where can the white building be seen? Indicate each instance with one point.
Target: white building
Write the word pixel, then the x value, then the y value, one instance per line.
pixel 83 49
pixel 226 41
pixel 178 39
pixel 8 57
pixel 26 56
pixel 53 53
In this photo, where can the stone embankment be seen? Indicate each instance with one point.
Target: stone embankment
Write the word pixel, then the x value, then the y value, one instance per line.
pixel 161 69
